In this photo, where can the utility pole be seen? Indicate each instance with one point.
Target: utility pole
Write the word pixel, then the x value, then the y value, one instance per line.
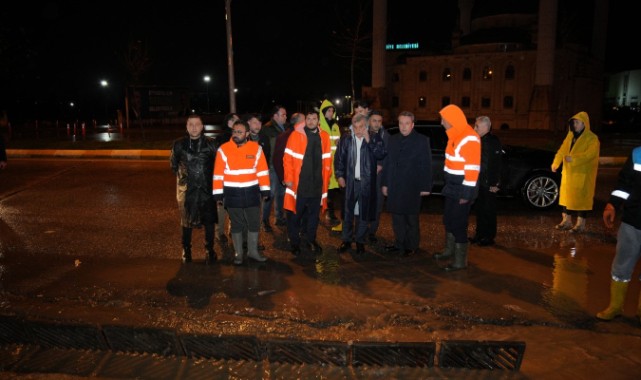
pixel 230 58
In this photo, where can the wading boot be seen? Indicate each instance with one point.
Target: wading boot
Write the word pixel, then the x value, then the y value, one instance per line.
pixel 618 290
pixel 186 254
pixel 579 226
pixel 448 251
pixel 237 239
pixel 252 247
pixel 210 254
pixel 460 258
pixel 566 223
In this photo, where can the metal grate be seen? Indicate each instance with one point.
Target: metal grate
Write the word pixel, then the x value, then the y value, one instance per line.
pixel 214 347
pixel 58 360
pixel 131 339
pixel 481 354
pixel 395 354
pixel 80 337
pixel 287 351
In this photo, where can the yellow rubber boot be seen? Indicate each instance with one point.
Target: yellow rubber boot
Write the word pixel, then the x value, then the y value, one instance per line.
pixel 618 290
pixel 338 227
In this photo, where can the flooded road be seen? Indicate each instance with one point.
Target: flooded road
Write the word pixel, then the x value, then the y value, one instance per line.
pixel 98 241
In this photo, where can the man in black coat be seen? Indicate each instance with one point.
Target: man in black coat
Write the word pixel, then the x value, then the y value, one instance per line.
pixel 407 176
pixel 355 170
pixel 192 160
pixel 489 177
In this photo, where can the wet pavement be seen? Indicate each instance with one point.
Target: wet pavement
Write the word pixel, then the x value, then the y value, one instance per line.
pixel 96 243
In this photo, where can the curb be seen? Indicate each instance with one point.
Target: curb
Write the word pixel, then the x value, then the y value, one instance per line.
pixel 133 154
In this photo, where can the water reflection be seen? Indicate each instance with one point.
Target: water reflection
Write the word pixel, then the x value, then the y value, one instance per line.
pixel 327 267
pixel 568 296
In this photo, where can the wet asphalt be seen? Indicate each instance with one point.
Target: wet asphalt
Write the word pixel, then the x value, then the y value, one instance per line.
pixel 95 242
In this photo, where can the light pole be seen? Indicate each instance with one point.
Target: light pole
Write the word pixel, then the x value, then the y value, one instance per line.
pixel 207 78
pixel 104 84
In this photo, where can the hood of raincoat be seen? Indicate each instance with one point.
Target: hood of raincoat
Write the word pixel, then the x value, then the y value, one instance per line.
pixel 583 116
pixel 455 116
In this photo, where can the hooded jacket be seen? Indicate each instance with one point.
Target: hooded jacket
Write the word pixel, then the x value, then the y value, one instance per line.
pixel 462 156
pixel 334 133
pixel 578 177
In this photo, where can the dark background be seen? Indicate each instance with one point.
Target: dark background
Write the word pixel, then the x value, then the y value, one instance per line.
pixel 55 52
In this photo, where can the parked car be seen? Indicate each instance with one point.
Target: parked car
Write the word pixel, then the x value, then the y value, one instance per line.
pixel 525 171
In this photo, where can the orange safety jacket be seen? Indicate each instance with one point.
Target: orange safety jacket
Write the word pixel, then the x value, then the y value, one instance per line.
pixel 462 156
pixel 240 174
pixel 293 163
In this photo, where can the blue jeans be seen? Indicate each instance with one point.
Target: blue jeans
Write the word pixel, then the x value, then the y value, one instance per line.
pixel 277 196
pixel 628 253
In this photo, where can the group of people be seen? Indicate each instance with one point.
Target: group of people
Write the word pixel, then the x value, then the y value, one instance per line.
pixel 308 164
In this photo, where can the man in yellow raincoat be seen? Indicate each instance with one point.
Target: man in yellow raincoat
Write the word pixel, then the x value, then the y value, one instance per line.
pixel 327 123
pixel 579 154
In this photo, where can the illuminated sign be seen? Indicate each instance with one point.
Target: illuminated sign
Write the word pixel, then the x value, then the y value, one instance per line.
pixel 407 46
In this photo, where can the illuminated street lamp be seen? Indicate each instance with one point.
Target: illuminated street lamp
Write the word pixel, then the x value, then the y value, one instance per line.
pixel 105 84
pixel 207 79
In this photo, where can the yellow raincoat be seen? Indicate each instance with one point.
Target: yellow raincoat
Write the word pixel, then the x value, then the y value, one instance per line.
pixel 334 133
pixel 578 177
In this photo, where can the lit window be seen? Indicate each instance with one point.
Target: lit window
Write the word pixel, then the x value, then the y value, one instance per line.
pixel 447 74
pixel 487 73
pixel 422 101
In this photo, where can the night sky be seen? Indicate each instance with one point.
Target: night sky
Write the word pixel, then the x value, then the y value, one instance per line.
pixel 283 50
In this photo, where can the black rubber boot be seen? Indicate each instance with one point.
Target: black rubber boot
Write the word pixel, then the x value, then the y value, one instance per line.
pixel 448 251
pixel 186 255
pixel 210 255
pixel 460 258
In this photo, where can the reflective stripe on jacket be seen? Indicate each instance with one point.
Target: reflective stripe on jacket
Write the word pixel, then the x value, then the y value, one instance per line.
pixel 293 163
pixel 334 132
pixel 462 156
pixel 240 174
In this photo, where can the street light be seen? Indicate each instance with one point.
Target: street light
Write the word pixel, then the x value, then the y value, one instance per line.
pixel 207 78
pixel 105 84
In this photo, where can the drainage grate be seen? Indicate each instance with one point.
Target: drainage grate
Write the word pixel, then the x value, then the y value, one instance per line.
pixel 12 331
pixel 131 366
pixel 80 337
pixel 286 351
pixel 398 354
pixel 214 347
pixel 481 354
pixel 58 360
pixel 131 339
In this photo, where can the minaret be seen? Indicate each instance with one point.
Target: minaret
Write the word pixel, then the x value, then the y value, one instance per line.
pixel 376 93
pixel 542 113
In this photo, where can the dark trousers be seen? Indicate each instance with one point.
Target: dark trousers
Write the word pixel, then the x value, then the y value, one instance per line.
pixel 456 217
pixel 349 218
pixel 380 200
pixel 209 236
pixel 485 210
pixel 306 208
pixel 406 231
pixel 582 214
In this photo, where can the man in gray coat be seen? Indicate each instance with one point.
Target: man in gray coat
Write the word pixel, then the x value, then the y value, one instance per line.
pixel 407 176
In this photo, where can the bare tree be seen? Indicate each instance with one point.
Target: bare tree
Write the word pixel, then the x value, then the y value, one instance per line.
pixel 352 39
pixel 136 61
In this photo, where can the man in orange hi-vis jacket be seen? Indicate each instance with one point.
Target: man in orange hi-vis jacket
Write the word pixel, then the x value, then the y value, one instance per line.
pixel 307 165
pixel 241 178
pixel 462 167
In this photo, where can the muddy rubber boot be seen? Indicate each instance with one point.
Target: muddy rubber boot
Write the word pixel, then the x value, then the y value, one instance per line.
pixel 186 257
pixel 237 239
pixel 448 251
pixel 618 290
pixel 460 258
pixel 210 254
pixel 579 226
pixel 252 247
pixel 566 223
